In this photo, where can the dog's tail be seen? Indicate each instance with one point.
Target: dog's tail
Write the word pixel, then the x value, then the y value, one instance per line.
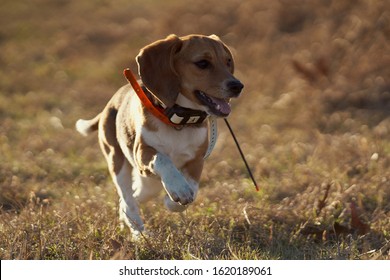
pixel 85 127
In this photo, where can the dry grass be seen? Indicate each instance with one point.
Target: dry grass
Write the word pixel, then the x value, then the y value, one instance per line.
pixel 313 120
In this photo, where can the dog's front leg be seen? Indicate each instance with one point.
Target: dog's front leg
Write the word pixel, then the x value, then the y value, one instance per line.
pixel 174 182
pixel 191 171
pixel 178 188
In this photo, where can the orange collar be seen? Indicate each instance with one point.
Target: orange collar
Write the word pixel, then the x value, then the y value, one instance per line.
pixel 156 111
pixel 175 116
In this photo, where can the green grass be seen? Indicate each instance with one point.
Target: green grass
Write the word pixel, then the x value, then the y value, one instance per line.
pixel 313 122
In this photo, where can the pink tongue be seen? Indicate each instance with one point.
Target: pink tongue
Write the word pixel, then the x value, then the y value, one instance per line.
pixel 221 105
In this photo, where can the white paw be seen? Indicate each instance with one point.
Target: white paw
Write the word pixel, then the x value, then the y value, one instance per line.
pixel 141 236
pixel 133 222
pixel 136 235
pixel 179 190
pixel 177 187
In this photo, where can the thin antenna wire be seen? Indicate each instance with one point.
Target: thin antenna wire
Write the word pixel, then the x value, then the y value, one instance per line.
pixel 242 154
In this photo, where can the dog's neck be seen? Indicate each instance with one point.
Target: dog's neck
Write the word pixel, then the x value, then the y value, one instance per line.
pixel 185 102
pixel 184 113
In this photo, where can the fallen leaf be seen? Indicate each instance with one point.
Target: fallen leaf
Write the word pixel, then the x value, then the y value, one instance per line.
pixel 356 222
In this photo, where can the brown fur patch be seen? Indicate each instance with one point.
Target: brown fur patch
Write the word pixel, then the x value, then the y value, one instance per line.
pixel 108 141
pixel 144 155
pixel 194 167
pixel 108 133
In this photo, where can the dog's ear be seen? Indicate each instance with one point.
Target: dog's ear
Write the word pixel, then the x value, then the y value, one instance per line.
pixel 215 37
pixel 156 68
pixel 226 48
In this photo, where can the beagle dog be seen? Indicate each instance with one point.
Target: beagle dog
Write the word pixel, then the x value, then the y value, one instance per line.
pixel 191 76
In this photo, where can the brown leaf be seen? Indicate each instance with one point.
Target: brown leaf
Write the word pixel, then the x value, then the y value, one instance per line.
pixel 356 222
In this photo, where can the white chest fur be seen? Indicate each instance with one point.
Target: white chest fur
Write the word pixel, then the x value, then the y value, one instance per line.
pixel 179 145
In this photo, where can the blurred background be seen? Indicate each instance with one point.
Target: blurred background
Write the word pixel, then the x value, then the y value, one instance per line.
pixel 313 121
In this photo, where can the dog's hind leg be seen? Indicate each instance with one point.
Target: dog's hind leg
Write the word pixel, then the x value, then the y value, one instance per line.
pixel 128 207
pixel 121 172
pixel 145 188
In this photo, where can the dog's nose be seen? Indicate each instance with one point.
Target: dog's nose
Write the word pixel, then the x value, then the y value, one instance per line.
pixel 235 87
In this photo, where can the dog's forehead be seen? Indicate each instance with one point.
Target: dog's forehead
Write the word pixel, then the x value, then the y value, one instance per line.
pixel 203 46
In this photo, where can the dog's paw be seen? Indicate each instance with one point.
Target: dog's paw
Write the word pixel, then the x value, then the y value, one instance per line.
pixel 179 190
pixel 142 237
pixel 176 185
pixel 136 235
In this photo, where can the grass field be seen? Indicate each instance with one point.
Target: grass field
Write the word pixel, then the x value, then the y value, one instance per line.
pixel 313 121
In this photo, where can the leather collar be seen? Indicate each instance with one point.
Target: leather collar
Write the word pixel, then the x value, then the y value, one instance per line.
pixel 176 116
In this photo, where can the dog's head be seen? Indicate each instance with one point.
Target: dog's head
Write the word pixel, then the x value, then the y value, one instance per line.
pixel 199 67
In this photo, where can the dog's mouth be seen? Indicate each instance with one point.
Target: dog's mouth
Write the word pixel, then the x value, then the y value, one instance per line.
pixel 219 107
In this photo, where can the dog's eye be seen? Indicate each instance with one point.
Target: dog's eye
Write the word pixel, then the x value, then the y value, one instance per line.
pixel 202 64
